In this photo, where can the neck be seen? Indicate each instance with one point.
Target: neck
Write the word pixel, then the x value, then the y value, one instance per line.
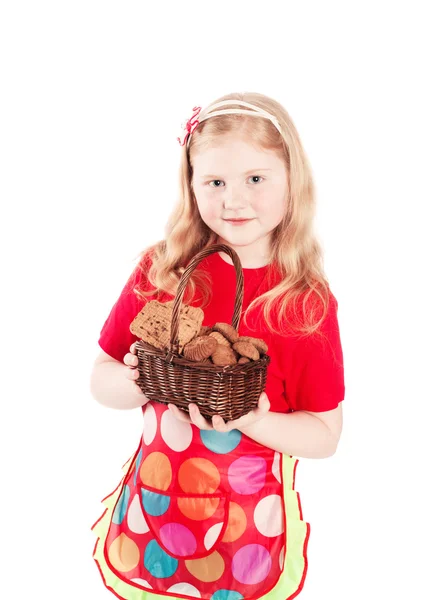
pixel 252 256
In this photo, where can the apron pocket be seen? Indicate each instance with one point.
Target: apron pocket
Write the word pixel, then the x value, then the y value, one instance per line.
pixel 185 526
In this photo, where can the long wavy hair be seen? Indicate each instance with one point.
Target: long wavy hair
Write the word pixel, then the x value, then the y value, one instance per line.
pixel 302 286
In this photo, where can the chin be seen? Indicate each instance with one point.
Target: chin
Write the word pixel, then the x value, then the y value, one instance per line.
pixel 237 237
pixel 238 241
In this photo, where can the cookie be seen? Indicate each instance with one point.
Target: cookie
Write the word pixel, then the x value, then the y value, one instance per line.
pixel 153 326
pixel 227 331
pixel 220 338
pixel 200 348
pixel 185 309
pixel 223 356
pixel 246 349
pixel 205 330
pixel 259 344
pixel 243 360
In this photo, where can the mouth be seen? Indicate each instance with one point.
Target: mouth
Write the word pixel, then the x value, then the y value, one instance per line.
pixel 237 220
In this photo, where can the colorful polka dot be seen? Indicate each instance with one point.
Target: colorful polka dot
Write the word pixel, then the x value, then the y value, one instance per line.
pixel 156 471
pixel 207 569
pixel 236 524
pixel 198 476
pixel 124 554
pixel 211 537
pixel 176 434
pixel 157 562
pixel 247 474
pixel 136 520
pixel 155 504
pixel 178 539
pixel 121 506
pixel 268 516
pixel 276 466
pixel 185 588
pixel 138 461
pixel 220 443
pixel 149 424
pixel 226 595
pixel 198 509
pixel 142 582
pixel 251 564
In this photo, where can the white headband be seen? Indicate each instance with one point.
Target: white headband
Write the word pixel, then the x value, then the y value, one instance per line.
pixel 199 115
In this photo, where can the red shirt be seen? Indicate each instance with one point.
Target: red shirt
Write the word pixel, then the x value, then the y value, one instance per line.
pixel 303 374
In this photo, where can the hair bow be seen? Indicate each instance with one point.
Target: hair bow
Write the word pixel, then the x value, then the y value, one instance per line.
pixel 189 126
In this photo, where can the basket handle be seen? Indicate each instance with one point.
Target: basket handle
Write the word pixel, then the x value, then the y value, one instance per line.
pixel 175 319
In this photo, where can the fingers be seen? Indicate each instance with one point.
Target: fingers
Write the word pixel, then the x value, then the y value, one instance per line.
pixel 133 374
pixel 193 417
pixel 263 404
pixel 197 417
pixel 220 425
pixel 260 411
pixel 131 360
pixel 179 414
pixel 243 422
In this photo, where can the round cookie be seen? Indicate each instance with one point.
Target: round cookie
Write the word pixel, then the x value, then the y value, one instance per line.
pixel 259 344
pixel 223 356
pixel 220 338
pixel 243 360
pixel 227 331
pixel 246 349
pixel 200 348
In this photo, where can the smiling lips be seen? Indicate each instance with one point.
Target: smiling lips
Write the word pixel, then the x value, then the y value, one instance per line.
pixel 237 221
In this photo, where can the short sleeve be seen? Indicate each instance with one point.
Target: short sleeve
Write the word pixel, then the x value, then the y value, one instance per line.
pixel 320 385
pixel 115 336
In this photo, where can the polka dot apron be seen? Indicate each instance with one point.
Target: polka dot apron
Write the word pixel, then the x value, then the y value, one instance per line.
pixel 202 514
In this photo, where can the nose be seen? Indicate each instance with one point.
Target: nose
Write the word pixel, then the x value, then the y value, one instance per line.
pixel 234 198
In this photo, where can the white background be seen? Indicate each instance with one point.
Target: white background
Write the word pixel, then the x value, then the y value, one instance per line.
pixel 93 96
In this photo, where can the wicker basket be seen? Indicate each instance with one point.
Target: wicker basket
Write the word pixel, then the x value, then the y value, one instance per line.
pixel 167 377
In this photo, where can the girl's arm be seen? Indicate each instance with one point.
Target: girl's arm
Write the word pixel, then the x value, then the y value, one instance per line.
pixel 300 433
pixel 110 386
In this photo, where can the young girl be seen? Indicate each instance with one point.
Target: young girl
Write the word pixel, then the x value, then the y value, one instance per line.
pixel 209 509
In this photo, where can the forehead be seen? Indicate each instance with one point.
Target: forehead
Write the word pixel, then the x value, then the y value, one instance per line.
pixel 234 155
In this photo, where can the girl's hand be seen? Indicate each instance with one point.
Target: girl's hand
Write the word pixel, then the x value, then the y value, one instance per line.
pixel 131 360
pixel 218 423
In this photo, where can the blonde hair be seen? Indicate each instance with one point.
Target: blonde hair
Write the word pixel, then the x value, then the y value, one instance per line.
pixel 294 247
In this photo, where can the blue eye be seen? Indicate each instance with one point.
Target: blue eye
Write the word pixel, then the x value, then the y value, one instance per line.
pixel 216 181
pixel 256 177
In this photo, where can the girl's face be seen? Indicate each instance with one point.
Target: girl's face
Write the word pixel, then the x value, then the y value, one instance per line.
pixel 234 180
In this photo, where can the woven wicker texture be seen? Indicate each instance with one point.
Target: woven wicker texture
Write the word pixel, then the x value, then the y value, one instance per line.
pixel 167 377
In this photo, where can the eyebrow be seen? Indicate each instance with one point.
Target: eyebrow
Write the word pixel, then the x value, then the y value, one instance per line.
pixel 246 173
